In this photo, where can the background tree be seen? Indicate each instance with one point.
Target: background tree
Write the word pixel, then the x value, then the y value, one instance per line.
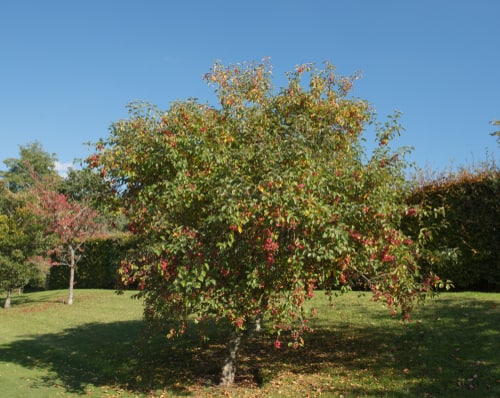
pixel 245 209
pixel 17 244
pixel 32 158
pixel 68 225
pixel 84 185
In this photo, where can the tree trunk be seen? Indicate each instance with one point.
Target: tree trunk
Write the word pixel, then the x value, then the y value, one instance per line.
pixel 71 274
pixel 259 319
pixel 229 368
pixel 7 300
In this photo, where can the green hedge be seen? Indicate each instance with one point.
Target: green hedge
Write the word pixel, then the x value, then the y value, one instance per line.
pixel 97 269
pixel 471 202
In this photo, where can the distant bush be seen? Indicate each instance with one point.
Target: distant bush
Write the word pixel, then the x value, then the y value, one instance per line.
pixel 470 199
pixel 97 269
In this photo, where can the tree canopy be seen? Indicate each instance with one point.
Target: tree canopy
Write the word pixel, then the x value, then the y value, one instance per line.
pixel 33 159
pixel 496 133
pixel 245 208
pixel 18 243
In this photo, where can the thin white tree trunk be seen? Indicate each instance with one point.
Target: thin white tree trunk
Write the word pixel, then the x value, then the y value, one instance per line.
pixel 229 368
pixel 71 274
pixel 7 300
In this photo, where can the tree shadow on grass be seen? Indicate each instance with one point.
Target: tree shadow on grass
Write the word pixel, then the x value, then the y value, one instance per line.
pixel 115 355
pixel 455 348
pixel 451 352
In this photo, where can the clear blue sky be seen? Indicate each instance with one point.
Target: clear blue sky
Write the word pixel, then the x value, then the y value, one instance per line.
pixel 68 68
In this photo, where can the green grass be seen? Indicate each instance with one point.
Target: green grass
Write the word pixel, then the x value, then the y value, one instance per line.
pixel 98 348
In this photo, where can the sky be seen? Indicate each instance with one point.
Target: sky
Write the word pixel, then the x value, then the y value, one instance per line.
pixel 68 69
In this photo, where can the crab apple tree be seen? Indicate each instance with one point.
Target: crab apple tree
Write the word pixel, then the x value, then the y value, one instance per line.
pixel 248 206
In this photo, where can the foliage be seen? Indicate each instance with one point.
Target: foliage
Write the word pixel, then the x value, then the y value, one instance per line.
pixel 15 271
pixel 84 185
pixel 33 159
pixel 243 210
pixel 496 133
pixel 469 198
pixel 81 184
pixel 17 243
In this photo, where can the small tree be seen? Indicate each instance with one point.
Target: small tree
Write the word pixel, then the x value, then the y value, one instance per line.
pixel 247 208
pixel 15 271
pixel 68 225
pixel 17 244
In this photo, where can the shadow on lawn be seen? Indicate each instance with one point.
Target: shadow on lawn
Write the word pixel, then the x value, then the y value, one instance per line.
pixel 452 352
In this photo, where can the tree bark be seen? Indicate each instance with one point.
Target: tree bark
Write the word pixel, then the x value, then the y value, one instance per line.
pixel 71 274
pixel 233 346
pixel 230 363
pixel 259 319
pixel 7 300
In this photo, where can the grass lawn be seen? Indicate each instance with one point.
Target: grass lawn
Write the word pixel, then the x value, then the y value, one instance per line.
pixel 98 348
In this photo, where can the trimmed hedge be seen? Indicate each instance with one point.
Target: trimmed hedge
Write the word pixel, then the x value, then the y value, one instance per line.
pixel 471 202
pixel 97 269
